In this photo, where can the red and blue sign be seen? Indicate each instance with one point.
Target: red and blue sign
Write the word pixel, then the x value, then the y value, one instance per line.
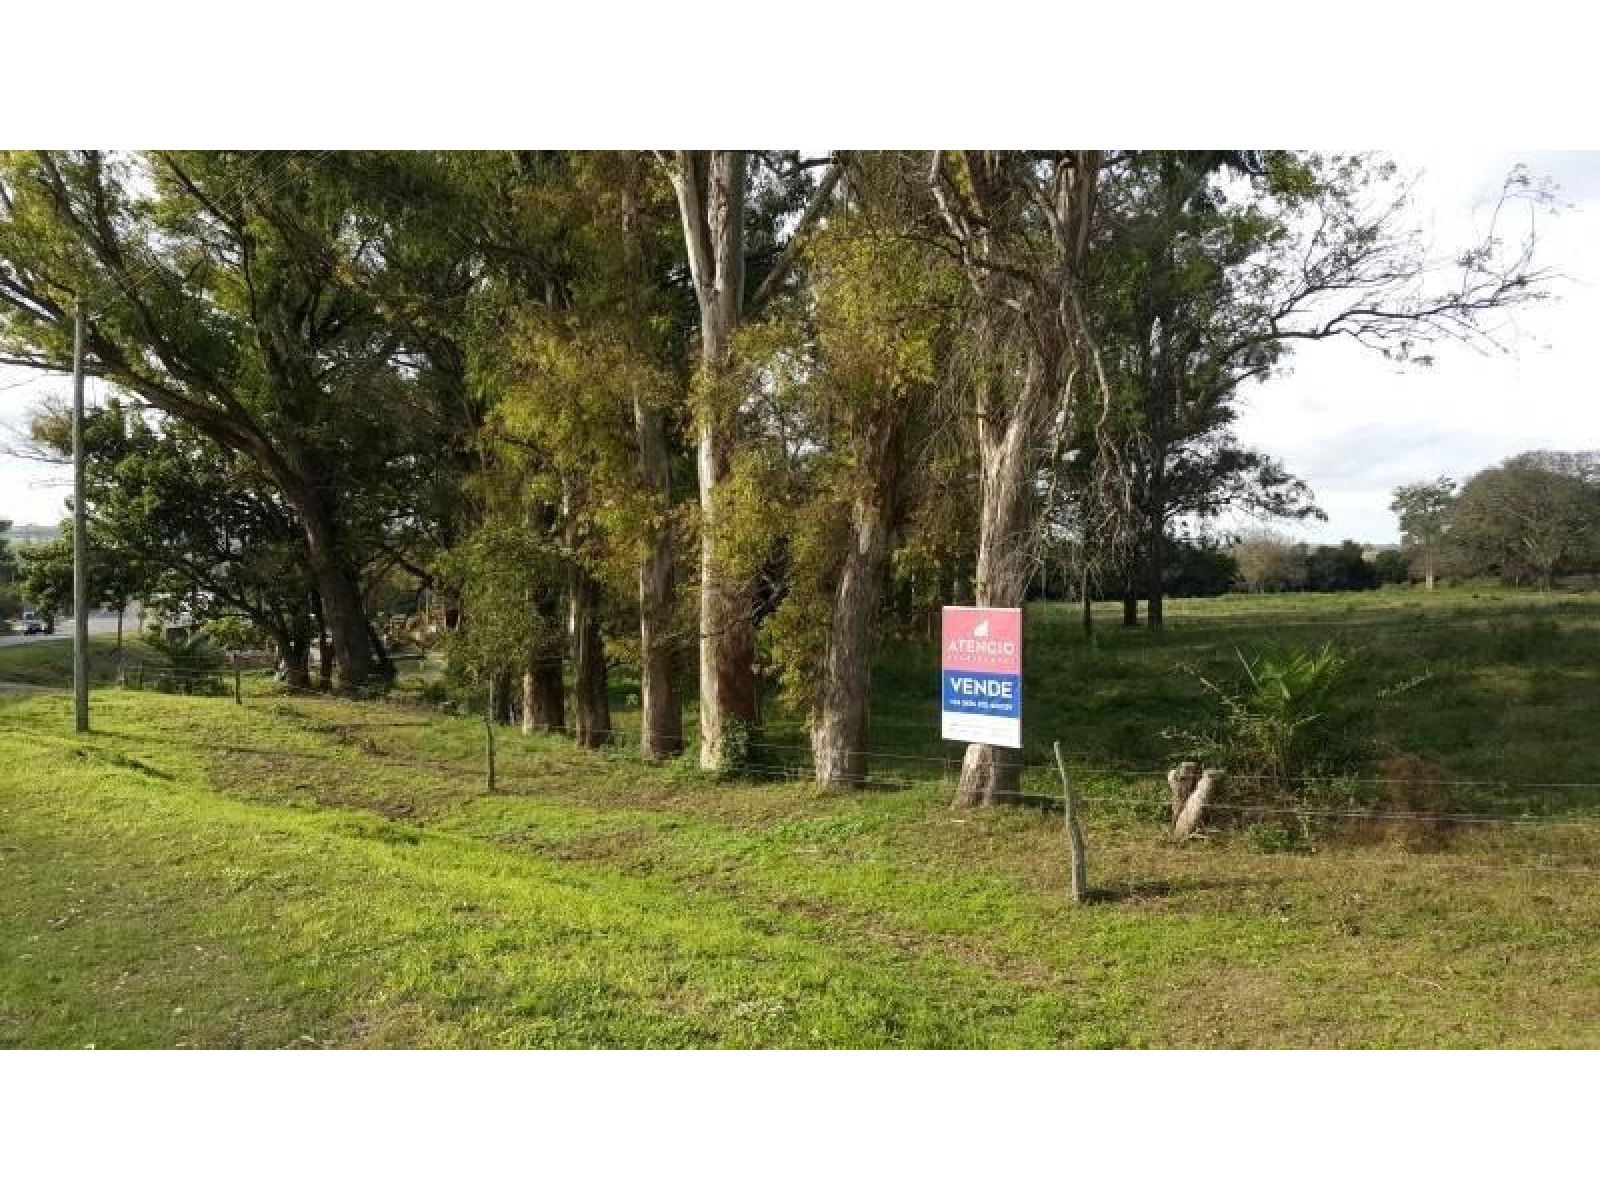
pixel 980 689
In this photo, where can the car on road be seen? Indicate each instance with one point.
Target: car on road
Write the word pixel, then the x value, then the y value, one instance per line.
pixel 31 623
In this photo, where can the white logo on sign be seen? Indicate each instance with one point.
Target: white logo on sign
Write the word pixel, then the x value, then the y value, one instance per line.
pixel 981 629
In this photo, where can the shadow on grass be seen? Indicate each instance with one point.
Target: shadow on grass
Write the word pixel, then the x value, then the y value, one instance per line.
pixel 1151 889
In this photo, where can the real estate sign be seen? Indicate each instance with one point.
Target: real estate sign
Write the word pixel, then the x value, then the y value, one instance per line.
pixel 980 690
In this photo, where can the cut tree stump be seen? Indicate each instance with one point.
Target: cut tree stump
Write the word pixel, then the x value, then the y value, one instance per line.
pixel 1181 779
pixel 1194 807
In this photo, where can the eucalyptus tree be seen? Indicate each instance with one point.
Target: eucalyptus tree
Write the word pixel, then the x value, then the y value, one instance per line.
pixel 720 213
pixel 882 314
pixel 1219 263
pixel 1021 225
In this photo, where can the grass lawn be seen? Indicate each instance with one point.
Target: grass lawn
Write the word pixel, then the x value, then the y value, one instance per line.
pixel 313 872
pixel 48 663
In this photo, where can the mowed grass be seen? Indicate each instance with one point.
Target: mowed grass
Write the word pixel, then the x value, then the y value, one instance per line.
pixel 48 663
pixel 314 872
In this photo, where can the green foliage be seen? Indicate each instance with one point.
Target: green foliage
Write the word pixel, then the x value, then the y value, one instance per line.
pixel 1529 520
pixel 499 571
pixel 1341 568
pixel 1392 566
pixel 1283 719
pixel 1199 569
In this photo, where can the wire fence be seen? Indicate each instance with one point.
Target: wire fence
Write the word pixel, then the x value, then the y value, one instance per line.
pixel 793 761
pixel 612 745
pixel 622 749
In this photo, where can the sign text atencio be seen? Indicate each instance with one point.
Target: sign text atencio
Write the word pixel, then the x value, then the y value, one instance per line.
pixel 981 676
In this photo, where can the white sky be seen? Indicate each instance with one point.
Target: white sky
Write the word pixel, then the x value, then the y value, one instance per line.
pixel 1350 423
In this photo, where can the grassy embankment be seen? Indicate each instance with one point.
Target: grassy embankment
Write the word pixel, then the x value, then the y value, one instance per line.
pixel 313 872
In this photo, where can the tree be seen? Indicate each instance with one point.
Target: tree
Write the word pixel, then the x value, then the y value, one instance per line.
pixel 862 368
pixel 223 294
pixel 713 190
pixel 1341 568
pixel 45 577
pixel 1270 562
pixel 9 592
pixel 1198 567
pixel 1392 566
pixel 1203 287
pixel 1526 522
pixel 1424 512
pixel 1021 226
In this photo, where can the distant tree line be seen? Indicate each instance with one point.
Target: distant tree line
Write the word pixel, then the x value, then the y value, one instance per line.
pixel 1530 521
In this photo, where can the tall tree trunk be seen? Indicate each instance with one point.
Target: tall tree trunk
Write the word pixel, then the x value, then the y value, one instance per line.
pixel 839 727
pixel 1086 599
pixel 661 700
pixel 295 655
pixel 1130 600
pixel 1155 528
pixel 324 657
pixel 591 714
pixel 343 614
pixel 660 696
pixel 543 697
pixel 1155 567
pixel 711 187
pixel 988 772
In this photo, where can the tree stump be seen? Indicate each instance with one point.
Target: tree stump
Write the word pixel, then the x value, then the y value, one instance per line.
pixel 1181 779
pixel 1194 808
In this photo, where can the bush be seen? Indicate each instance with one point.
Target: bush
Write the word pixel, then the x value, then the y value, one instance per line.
pixel 1284 719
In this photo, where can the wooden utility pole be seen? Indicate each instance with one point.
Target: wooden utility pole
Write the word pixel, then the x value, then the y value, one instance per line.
pixel 80 539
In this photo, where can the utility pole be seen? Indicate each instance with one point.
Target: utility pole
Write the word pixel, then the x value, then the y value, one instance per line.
pixel 80 538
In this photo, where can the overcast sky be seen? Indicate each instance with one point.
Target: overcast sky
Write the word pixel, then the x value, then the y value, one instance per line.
pixel 1348 422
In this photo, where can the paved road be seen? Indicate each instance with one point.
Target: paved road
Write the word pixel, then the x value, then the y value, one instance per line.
pixel 98 624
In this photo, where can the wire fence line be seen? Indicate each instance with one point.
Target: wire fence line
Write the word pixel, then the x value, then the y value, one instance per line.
pixel 803 769
pixel 605 762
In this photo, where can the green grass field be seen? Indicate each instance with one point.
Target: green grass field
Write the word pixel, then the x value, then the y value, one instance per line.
pixel 49 663
pixel 312 872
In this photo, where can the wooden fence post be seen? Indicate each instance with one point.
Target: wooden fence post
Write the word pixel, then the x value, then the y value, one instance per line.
pixel 238 686
pixel 488 735
pixel 1078 882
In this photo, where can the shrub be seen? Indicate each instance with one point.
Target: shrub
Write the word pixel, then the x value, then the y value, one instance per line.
pixel 1285 718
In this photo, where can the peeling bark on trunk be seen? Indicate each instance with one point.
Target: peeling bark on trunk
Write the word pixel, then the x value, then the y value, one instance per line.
pixel 995 220
pixel 989 773
pixel 710 187
pixel 839 727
